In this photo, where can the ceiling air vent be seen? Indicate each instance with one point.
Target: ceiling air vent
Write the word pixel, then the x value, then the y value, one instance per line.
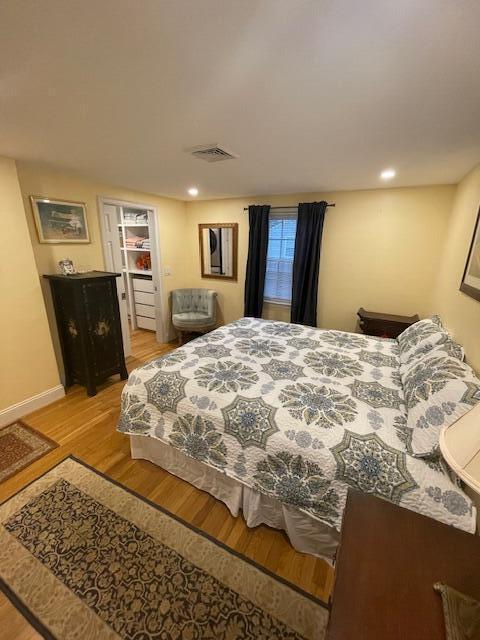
pixel 211 153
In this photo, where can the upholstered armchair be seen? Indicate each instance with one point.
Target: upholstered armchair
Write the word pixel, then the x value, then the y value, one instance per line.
pixel 193 310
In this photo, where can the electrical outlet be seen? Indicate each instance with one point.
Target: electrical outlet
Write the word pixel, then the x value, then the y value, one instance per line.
pixel 167 271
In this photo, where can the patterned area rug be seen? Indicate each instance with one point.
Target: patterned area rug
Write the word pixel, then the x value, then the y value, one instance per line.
pixel 84 557
pixel 20 446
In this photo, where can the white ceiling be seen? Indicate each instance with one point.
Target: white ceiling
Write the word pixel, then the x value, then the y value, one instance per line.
pixel 312 95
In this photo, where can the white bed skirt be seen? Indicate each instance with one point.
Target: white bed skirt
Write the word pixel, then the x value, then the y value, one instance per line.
pixel 306 533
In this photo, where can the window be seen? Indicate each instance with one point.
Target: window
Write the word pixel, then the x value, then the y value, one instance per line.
pixel 281 249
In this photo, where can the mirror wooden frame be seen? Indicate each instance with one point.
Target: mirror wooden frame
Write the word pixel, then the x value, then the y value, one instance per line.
pixel 222 225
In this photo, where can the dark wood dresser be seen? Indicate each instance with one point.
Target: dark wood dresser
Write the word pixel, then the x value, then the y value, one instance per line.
pixel 383 325
pixel 89 329
pixel 388 561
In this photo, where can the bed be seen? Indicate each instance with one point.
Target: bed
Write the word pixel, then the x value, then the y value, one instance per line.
pixel 278 420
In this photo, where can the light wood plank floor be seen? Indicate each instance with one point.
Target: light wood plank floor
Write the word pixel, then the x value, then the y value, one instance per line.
pixel 85 427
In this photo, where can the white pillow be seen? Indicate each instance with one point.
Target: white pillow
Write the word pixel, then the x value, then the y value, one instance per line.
pixel 438 390
pixel 423 334
pixel 447 347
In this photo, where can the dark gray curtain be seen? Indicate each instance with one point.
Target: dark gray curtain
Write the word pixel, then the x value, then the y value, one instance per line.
pixel 257 259
pixel 306 262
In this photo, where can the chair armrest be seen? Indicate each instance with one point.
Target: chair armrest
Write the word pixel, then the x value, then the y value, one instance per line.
pixel 176 302
pixel 212 305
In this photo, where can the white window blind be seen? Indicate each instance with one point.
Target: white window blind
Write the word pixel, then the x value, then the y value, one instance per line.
pixel 281 249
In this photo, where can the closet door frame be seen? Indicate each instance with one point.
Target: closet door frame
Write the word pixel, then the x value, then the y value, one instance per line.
pixel 160 303
pixel 111 258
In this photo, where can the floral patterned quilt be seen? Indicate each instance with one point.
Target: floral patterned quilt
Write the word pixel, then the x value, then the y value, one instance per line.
pixel 297 413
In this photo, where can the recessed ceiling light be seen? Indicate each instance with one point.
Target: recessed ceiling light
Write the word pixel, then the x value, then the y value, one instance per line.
pixel 193 191
pixel 387 174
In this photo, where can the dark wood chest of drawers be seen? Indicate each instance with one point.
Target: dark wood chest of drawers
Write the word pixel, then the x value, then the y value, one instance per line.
pixel 383 325
pixel 89 329
pixel 387 563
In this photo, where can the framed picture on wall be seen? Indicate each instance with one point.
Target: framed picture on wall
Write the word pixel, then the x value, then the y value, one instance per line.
pixel 471 276
pixel 60 221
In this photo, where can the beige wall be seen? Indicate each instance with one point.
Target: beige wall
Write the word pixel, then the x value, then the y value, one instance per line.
pixel 380 250
pixel 27 361
pixel 42 182
pixel 460 313
pixel 392 250
pixel 38 181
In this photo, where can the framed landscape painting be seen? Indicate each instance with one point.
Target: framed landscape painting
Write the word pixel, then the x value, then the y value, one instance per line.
pixel 471 276
pixel 60 221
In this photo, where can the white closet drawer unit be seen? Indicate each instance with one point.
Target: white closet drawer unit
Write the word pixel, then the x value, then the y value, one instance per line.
pixel 142 284
pixel 146 323
pixel 145 310
pixel 143 297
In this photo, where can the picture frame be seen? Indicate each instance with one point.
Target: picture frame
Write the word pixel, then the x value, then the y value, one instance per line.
pixel 66 267
pixel 60 221
pixel 471 275
pixel 218 244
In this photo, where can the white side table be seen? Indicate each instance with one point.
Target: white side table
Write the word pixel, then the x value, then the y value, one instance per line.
pixel 460 446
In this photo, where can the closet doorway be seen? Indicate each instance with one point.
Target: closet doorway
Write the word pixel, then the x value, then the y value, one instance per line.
pixel 130 247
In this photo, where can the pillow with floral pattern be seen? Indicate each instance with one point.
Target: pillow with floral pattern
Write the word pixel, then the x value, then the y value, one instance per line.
pixel 436 320
pixel 447 347
pixel 423 334
pixel 438 390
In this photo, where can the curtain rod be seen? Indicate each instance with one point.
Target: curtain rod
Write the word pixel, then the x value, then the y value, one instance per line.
pixel 290 206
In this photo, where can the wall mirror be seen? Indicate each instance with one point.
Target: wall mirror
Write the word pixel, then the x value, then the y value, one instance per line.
pixel 218 250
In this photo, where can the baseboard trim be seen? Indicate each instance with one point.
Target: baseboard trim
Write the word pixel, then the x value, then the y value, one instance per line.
pixel 16 411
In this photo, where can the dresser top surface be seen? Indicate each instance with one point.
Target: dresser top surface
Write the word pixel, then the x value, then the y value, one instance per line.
pixel 374 315
pixel 75 277
pixel 388 562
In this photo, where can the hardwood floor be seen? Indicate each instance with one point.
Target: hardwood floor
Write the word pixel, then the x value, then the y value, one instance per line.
pixel 85 427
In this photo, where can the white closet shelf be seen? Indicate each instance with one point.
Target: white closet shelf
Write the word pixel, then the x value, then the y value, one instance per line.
pixel 132 249
pixel 132 224
pixel 141 272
